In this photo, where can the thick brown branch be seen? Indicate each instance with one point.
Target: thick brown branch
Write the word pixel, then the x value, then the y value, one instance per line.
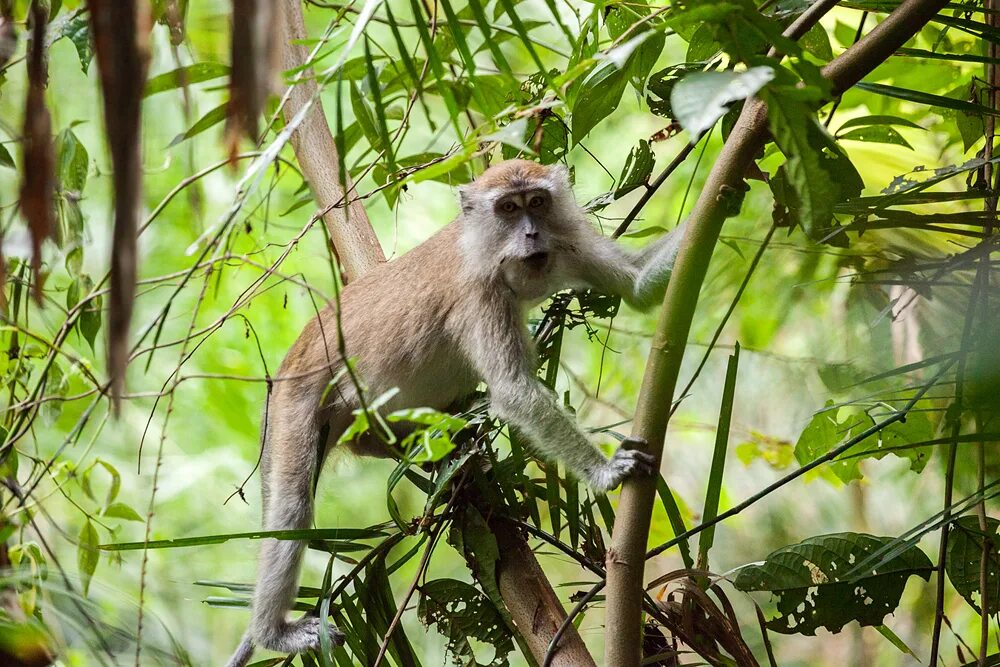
pixel 532 603
pixel 626 557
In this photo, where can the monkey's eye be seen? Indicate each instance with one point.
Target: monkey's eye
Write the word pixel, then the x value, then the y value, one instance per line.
pixel 536 201
pixel 508 207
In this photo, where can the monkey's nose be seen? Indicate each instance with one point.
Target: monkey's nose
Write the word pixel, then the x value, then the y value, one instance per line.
pixel 531 235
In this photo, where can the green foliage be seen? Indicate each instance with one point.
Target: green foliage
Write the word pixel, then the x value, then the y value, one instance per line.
pixel 968 547
pixel 817 585
pixel 462 613
pixel 881 197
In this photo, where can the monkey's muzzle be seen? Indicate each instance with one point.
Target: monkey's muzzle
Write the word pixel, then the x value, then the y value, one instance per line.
pixel 537 261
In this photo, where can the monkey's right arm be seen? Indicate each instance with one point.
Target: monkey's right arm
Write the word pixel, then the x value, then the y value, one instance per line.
pixel 501 353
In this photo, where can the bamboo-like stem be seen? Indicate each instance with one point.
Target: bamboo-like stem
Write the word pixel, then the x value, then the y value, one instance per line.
pixel 626 555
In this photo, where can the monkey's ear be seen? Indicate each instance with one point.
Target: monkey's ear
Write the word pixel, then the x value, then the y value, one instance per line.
pixel 465 198
pixel 559 174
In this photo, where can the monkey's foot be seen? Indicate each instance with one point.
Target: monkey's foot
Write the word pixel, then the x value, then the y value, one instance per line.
pixel 300 636
pixel 626 462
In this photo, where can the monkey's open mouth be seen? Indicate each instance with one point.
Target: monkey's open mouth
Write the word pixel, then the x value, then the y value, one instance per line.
pixel 537 261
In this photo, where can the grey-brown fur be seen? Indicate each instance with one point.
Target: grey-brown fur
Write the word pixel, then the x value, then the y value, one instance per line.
pixel 434 323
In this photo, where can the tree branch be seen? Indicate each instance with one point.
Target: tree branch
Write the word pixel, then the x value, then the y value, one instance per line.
pixel 626 555
pixel 354 240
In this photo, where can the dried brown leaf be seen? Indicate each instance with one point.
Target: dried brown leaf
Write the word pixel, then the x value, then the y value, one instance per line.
pixel 120 30
pixel 256 28
pixel 8 36
pixel 38 183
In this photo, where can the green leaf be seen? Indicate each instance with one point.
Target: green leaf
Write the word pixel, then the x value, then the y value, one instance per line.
pixel 87 554
pixel 461 612
pixel 366 119
pixel 213 117
pixel 598 97
pixel 817 42
pixel 121 511
pixel 894 639
pixel 306 534
pixel 184 76
pixel 927 98
pixel 863 121
pixel 700 99
pixel 78 32
pixel 965 556
pixel 817 174
pixel 638 167
pixel 602 89
pixel 825 432
pixel 73 161
pixel 878 134
pixel 90 316
pixel 5 158
pixel 813 588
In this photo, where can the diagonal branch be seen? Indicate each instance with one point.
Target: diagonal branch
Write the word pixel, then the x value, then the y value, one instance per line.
pixel 626 556
pixel 354 240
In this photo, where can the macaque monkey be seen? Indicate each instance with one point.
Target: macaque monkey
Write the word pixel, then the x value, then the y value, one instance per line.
pixel 434 323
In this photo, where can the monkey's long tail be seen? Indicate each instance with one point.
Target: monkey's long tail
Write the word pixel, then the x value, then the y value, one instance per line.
pixel 243 653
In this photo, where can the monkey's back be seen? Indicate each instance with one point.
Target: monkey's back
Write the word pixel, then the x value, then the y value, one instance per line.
pixel 397 322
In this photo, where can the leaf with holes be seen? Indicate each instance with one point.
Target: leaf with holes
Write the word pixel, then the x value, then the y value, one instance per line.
pixel 638 167
pixel 965 556
pixel 815 586
pixel 461 612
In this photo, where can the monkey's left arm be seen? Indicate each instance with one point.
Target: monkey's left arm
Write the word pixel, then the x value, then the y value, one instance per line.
pixel 640 278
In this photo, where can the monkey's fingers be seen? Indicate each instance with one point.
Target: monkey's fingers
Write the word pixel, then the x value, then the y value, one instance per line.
pixel 632 443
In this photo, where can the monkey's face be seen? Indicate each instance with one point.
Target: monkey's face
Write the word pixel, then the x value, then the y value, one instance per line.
pixel 517 216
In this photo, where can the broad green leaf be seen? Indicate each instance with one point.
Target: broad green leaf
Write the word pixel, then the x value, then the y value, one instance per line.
pixel 810 581
pixel 78 32
pixel 121 511
pixel 878 134
pixel 213 117
pixel 5 158
pixel 817 174
pixel 964 559
pixel 817 42
pixel 598 97
pixel 864 121
pixel 90 315
pixel 183 76
pixel 461 612
pixel 825 432
pixel 602 89
pixel 87 554
pixel 73 161
pixel 699 100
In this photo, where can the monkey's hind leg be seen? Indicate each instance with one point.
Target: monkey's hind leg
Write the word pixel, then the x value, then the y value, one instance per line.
pixel 290 461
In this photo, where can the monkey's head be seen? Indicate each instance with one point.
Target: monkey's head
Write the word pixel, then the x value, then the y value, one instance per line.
pixel 515 216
